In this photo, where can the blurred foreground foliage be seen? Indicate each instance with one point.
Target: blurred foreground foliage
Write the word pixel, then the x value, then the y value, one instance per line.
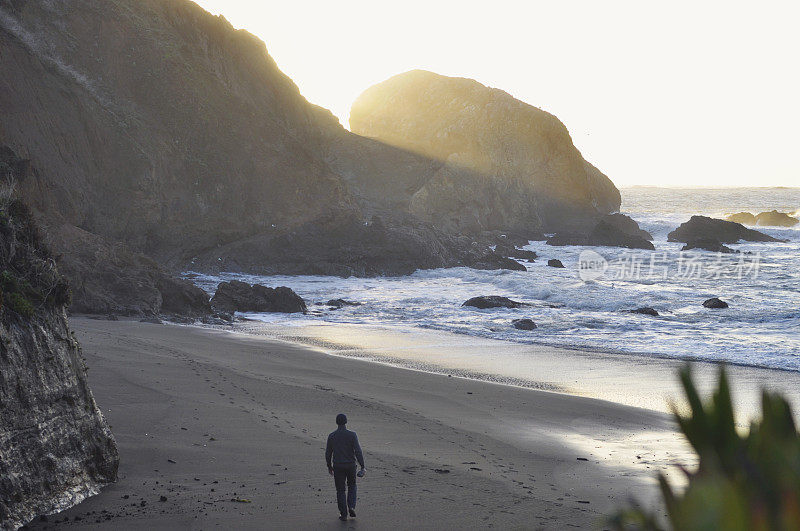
pixel 747 482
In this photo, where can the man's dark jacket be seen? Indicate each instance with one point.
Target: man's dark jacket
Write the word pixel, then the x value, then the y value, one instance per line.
pixel 343 448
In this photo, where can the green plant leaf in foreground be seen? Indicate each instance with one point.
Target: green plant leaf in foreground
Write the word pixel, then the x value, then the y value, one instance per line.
pixel 747 482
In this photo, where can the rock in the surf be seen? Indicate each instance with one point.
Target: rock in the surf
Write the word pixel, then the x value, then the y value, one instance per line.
pixel 715 303
pixel 773 218
pixel 745 218
pixel 493 301
pixel 708 244
pixel 493 260
pixel 702 227
pixel 523 324
pixel 512 252
pixel 776 219
pixel 553 262
pixel 646 311
pixel 237 296
pixel 606 234
pixel 341 303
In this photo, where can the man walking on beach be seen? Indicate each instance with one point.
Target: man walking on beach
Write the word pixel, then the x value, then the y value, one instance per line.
pixel 341 455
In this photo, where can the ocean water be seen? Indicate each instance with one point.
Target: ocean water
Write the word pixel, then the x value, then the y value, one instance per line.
pixel 573 309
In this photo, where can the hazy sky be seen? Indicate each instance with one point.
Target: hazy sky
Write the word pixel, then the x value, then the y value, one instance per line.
pixel 669 93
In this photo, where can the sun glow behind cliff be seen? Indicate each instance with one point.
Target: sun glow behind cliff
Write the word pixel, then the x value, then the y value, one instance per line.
pixel 674 94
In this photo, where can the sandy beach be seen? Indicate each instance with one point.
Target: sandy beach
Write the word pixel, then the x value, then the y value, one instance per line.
pixel 229 429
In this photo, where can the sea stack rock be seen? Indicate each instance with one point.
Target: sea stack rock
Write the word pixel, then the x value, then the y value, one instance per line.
pixel 745 218
pixel 774 218
pixel 509 165
pixel 705 228
pixel 55 447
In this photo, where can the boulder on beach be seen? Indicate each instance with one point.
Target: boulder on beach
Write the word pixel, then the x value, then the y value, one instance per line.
pixel 708 244
pixel 702 227
pixel 776 219
pixel 646 311
pixel 715 303
pixel 492 301
pixel 237 296
pixel 555 263
pixel 523 324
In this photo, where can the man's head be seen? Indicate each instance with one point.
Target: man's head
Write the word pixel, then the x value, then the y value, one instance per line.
pixel 341 419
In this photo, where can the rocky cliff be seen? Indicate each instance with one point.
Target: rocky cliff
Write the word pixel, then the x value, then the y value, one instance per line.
pixel 55 447
pixel 155 123
pixel 507 165
pixel 157 135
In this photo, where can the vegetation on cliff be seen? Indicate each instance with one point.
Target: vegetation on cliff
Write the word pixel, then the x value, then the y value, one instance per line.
pixel 55 447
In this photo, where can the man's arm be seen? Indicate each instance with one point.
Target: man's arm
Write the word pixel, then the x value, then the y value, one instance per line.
pixel 357 449
pixel 329 453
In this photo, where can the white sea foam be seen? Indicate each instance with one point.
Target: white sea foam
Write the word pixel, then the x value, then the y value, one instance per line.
pixel 760 328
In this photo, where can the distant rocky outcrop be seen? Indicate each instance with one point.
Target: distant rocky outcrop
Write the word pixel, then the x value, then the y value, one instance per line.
pixel 55 447
pixel 507 164
pixel 705 228
pixel 493 301
pixel 707 244
pixel 237 296
pixel 772 218
pixel 605 234
pixel 745 218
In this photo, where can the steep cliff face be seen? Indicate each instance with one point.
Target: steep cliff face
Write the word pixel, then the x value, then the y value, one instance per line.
pixel 107 277
pixel 154 130
pixel 55 447
pixel 507 164
pixel 155 123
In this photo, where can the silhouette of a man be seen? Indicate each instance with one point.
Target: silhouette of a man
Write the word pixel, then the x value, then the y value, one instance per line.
pixel 341 455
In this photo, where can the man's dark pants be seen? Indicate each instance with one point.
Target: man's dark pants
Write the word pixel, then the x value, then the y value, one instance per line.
pixel 345 474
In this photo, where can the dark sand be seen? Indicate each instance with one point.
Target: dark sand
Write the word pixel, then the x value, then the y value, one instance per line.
pixel 231 429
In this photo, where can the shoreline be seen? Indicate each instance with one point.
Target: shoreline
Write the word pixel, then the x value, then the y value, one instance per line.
pixel 195 409
pixel 600 373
